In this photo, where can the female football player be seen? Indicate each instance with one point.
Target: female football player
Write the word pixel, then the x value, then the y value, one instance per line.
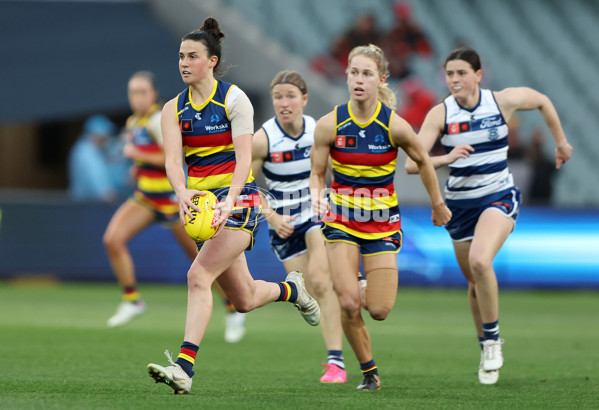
pixel 281 150
pixel 211 124
pixel 361 218
pixel 480 191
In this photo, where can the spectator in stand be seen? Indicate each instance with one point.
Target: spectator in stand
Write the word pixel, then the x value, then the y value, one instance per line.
pixel 404 40
pixel 89 179
pixel 416 102
pixel 364 31
pixel 515 149
pixel 543 171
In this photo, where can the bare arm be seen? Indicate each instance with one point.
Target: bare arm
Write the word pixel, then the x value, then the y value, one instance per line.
pixel 324 136
pixel 525 98
pixel 431 129
pixel 404 136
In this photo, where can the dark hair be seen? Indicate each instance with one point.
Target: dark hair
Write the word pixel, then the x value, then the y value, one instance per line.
pixel 148 75
pixel 290 77
pixel 209 35
pixel 467 54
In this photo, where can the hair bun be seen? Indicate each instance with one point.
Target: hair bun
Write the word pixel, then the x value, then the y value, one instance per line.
pixel 211 26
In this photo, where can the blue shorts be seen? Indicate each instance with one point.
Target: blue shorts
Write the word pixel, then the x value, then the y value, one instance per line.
pixel 464 220
pixel 245 219
pixel 295 244
pixel 368 247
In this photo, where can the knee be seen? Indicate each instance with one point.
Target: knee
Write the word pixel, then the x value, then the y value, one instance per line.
pixel 197 280
pixel 479 265
pixel 378 312
pixel 242 298
pixel 319 283
pixel 112 243
pixel 350 307
pixel 243 306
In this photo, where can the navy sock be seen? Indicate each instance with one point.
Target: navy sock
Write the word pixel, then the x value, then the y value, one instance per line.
pixel 491 330
pixel 187 357
pixel 288 292
pixel 336 357
pixel 369 368
pixel 480 341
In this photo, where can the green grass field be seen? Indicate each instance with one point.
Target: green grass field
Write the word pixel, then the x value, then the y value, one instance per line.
pixel 56 352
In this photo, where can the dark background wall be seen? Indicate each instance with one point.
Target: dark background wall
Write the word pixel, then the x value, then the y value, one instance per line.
pixel 62 62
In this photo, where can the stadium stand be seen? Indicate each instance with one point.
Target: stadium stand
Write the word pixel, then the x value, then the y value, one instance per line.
pixel 545 44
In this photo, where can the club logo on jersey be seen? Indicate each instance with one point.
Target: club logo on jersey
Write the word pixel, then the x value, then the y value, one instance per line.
pixel 186 126
pixel 493 134
pixel 214 118
pixel 346 141
pixel 458 127
pixel 281 156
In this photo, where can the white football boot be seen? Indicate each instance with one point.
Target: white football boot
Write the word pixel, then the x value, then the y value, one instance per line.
pixel 173 376
pixel 235 327
pixel 307 306
pixel 485 377
pixel 125 312
pixel 492 356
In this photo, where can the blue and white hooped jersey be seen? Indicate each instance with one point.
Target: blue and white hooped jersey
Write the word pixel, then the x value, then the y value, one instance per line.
pixel 287 169
pixel 484 175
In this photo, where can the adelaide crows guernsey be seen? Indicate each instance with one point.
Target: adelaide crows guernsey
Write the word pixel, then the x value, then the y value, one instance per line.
pixel 153 187
pixel 363 200
pixel 287 169
pixel 208 144
pixel 483 176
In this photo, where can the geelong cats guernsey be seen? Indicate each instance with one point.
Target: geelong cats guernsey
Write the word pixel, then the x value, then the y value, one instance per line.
pixel 286 169
pixel 484 175
pixel 363 200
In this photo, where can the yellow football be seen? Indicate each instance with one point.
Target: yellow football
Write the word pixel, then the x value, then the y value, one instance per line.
pixel 200 227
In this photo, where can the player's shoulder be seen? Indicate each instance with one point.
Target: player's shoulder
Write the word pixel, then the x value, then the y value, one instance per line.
pixel 327 120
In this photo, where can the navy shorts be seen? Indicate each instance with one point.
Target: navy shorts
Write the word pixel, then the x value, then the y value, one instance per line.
pixel 245 219
pixel 295 244
pixel 464 220
pixel 388 244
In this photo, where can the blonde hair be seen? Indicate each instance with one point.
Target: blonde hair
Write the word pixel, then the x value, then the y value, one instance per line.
pixel 386 95
pixel 290 77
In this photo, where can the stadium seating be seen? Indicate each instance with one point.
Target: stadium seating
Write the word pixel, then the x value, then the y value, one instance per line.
pixel 545 44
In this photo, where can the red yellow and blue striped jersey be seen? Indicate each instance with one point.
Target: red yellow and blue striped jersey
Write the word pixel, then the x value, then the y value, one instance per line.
pixel 363 200
pixel 208 144
pixel 152 185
